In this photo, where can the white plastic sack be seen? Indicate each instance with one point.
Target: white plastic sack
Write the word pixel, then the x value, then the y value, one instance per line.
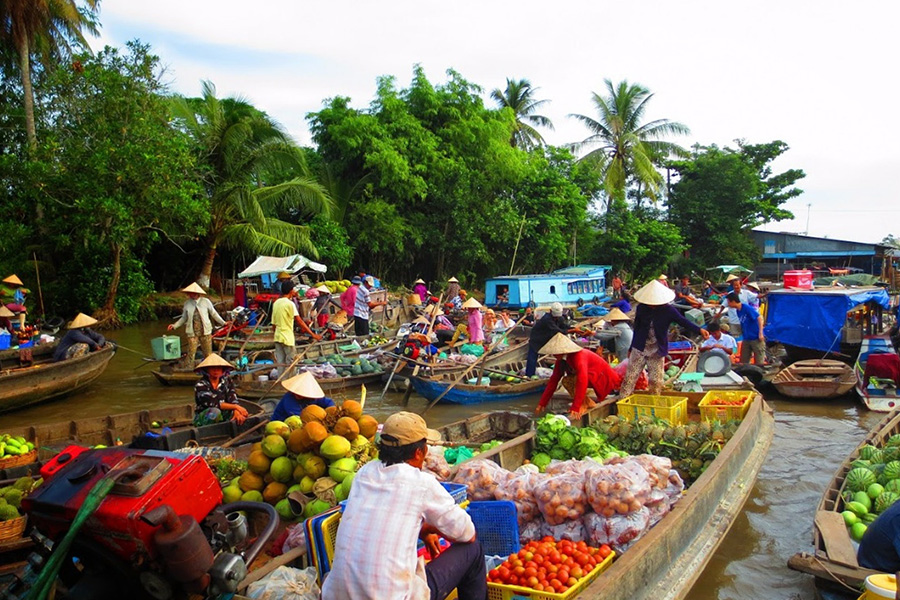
pixel 285 583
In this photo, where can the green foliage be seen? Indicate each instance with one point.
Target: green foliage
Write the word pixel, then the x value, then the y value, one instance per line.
pixel 332 242
pixel 519 98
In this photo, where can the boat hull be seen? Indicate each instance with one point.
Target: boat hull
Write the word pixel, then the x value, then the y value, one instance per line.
pixel 46 381
pixel 815 379
pixel 884 400
pixel 475 394
pixel 258 390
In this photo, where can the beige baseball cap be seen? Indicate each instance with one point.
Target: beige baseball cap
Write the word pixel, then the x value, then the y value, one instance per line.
pixel 403 428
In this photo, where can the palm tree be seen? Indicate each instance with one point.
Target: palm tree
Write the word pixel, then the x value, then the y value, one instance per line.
pixel 47 28
pixel 629 150
pixel 239 149
pixel 519 96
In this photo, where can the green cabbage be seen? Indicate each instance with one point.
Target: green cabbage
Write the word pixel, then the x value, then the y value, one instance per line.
pixel 541 460
pixel 568 438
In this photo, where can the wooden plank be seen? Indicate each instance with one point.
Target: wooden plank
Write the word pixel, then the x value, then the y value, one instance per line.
pixel 834 534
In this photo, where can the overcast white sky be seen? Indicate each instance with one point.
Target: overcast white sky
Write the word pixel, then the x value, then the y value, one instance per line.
pixel 820 76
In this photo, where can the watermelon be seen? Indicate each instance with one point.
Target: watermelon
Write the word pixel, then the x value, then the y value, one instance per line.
pixel 860 462
pixel 884 501
pixel 891 470
pixel 868 452
pixel 862 498
pixel 860 478
pixel 894 440
pixel 892 486
pixel 890 453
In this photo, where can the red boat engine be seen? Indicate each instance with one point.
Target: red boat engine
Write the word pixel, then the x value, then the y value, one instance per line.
pixel 159 532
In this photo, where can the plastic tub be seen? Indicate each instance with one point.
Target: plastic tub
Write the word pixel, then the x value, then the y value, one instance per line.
pixel 167 347
pixel 4 340
pixel 881 586
pixel 671 408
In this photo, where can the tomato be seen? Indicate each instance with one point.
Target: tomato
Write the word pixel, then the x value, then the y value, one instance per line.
pixel 538 587
pixel 519 570
pixel 553 569
pixel 503 572
pixel 555 557
pixel 571 581
pixel 563 575
pixel 532 581
pixel 604 551
pixel 577 572
pixel 548 539
pixel 528 556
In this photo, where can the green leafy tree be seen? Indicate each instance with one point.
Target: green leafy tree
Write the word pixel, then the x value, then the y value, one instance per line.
pixel 624 148
pixel 117 175
pixel 241 151
pixel 331 240
pixel 642 245
pixel 47 30
pixel 519 97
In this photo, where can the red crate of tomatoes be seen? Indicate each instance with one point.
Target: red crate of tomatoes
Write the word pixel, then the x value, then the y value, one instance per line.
pixel 548 570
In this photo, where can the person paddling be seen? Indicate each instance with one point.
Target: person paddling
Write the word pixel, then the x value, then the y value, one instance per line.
pixel 80 339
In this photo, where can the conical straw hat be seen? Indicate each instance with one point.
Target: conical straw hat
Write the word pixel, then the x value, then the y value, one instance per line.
pixel 214 360
pixel 617 315
pixel 5 312
pixel 433 310
pixel 472 303
pixel 324 288
pixel 453 280
pixel 419 281
pixel 194 288
pixel 304 385
pixel 82 320
pixel 13 279
pixel 731 278
pixel 560 344
pixel 654 294
pixel 663 277
pixel 422 321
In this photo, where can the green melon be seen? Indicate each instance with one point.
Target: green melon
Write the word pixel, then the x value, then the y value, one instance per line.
pixel 868 452
pixel 860 478
pixel 884 501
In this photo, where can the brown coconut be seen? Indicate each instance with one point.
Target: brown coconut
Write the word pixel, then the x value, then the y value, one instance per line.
pixel 313 413
pixel 347 427
pixel 368 426
pixel 352 409
pixel 298 442
pixel 316 433
pixel 274 492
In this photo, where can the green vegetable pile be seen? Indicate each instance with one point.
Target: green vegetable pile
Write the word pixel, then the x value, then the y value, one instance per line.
pixel 556 440
pixel 227 468
pixel 691 447
pixel 11 497
pixel 871 486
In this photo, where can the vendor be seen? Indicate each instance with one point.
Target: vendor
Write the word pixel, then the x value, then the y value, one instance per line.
pixel 453 292
pixel 284 316
pixel 12 296
pixel 685 296
pixel 879 548
pixel 752 324
pixel 577 368
pixel 363 306
pixel 392 505
pixel 421 289
pixel 620 327
pixel 543 331
pixel 320 308
pixel 197 316
pixel 746 297
pixel 650 345
pixel 80 339
pixel 302 391
pixel 528 317
pixel 474 325
pixel 5 316
pixel 443 329
pixel 663 279
pixel 624 303
pixel 214 395
pixel 718 340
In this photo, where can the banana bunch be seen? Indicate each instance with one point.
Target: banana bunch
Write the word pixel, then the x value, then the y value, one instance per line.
pixel 14 446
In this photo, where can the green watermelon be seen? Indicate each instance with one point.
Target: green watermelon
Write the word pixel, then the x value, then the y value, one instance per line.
pixel 859 479
pixel 894 440
pixel 884 501
pixel 860 462
pixel 868 452
pixel 892 486
pixel 890 453
pixel 891 470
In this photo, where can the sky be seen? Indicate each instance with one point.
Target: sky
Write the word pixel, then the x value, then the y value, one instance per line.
pixel 818 75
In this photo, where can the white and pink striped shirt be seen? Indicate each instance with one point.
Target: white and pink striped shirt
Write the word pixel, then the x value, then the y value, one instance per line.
pixel 375 552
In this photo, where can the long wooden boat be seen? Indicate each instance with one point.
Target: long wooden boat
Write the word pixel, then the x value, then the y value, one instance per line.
pixel 834 557
pixel 815 379
pixel 517 351
pixel 249 387
pixel 45 379
pixel 167 428
pixel 878 394
pixel 38 351
pixel 665 563
pixel 432 386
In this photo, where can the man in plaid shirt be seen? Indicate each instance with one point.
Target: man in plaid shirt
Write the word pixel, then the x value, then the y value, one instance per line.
pixel 392 504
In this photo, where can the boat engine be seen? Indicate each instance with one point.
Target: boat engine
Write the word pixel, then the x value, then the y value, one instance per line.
pixel 161 532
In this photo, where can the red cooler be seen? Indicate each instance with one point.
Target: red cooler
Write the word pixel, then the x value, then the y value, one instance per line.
pixel 798 279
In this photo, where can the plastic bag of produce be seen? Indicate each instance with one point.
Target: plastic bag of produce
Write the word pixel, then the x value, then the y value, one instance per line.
pixel 436 464
pixel 520 490
pixel 578 467
pixel 674 488
pixel 296 538
pixel 561 498
pixel 286 583
pixel 454 456
pixel 532 531
pixel 620 531
pixel 658 505
pixel 617 489
pixel 568 530
pixel 642 382
pixel 657 467
pixel 481 478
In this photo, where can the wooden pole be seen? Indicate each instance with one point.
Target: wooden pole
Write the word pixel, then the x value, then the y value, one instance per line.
pixel 37 274
pixel 415 372
pixel 472 366
pixel 516 250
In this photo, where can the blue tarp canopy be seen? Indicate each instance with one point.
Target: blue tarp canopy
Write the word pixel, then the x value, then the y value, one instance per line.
pixel 813 319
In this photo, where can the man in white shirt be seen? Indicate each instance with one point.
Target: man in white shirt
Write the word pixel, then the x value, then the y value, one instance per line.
pixel 719 340
pixel 392 504
pixel 746 296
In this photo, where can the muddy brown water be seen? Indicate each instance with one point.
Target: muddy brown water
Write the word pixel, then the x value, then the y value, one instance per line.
pixel 810 442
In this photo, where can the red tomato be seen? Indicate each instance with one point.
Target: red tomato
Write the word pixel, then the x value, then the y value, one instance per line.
pixel 604 551
pixel 528 556
pixel 530 572
pixel 533 581
pixel 503 572
pixel 519 570
pixel 571 581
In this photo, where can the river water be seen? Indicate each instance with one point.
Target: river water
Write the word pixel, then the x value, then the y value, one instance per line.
pixel 810 442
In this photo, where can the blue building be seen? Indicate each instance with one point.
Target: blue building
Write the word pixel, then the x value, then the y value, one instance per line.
pixel 586 283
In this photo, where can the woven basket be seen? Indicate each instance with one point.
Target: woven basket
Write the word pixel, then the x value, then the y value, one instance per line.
pixel 12 529
pixel 18 461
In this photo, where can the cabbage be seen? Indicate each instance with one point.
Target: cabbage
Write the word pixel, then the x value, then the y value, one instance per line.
pixel 547 432
pixel 541 460
pixel 558 454
pixel 568 438
pixel 589 447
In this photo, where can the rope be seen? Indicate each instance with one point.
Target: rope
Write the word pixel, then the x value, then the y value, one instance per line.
pixel 836 578
pixel 47 579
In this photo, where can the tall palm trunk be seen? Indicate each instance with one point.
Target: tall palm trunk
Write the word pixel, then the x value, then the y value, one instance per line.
pixel 25 67
pixel 206 271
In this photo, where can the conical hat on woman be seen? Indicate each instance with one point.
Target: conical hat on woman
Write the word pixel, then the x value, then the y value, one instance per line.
pixel 214 360
pixel 433 310
pixel 419 281
pixel 654 294
pixel 471 303
pixel 82 320
pixel 453 280
pixel 304 385
pixel 5 312
pixel 194 288
pixel 560 344
pixel 14 280
pixel 617 315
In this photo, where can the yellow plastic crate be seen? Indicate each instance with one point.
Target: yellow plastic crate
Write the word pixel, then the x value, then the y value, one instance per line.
pixel 499 591
pixel 724 413
pixel 329 530
pixel 671 408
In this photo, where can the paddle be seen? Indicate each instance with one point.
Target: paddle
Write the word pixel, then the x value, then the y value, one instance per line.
pixel 415 372
pixel 244 435
pixel 465 373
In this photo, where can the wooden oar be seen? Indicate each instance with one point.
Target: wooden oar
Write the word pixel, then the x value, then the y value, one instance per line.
pixel 244 435
pixel 465 373
pixel 415 372
pixel 225 339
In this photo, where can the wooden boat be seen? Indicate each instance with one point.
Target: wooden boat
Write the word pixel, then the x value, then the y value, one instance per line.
pixel 834 557
pixel 432 386
pixel 248 387
pixel 46 379
pixel 877 393
pixel 818 379
pixel 39 351
pixel 665 563
pixel 169 428
pixel 514 352
pixel 499 425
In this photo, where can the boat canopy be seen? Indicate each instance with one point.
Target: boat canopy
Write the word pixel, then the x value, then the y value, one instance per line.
pixel 814 318
pixel 720 273
pixel 276 264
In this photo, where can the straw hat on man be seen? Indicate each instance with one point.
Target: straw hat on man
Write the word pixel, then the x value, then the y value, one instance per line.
pixel 198 316
pixel 80 339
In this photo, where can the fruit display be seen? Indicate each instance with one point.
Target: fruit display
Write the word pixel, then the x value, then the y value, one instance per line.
pixel 871 486
pixel 14 446
pixel 316 453
pixel 337 286
pixel 549 566
pixel 11 497
pixel 344 366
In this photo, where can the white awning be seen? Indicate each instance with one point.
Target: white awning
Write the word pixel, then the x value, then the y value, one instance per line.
pixel 275 264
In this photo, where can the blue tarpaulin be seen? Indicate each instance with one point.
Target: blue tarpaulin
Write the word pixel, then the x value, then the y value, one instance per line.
pixel 814 319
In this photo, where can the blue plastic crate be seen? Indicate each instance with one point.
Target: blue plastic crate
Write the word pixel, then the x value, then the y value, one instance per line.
pixel 496 526
pixel 458 491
